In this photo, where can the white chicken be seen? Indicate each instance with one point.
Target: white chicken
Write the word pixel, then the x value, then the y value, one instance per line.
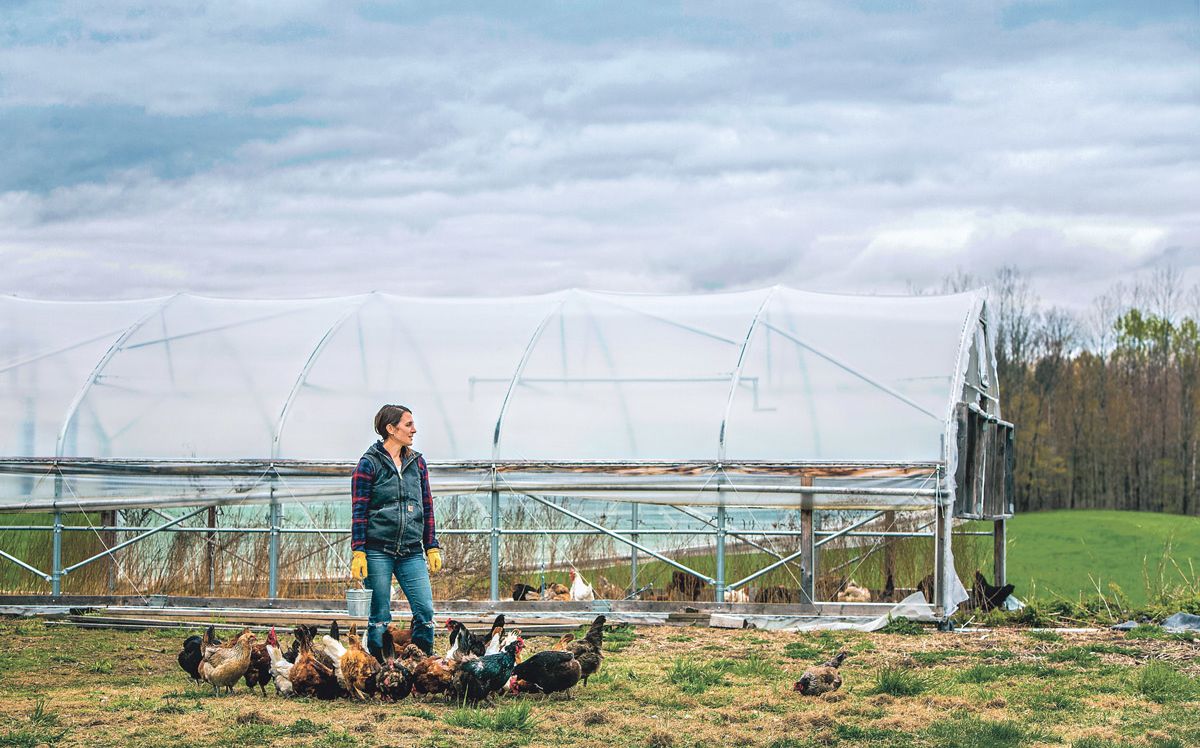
pixel 335 649
pixel 581 590
pixel 281 671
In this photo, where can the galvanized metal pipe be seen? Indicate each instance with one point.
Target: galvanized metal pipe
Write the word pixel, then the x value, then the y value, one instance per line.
pixel 273 549
pixel 26 566
pixel 767 569
pixel 495 545
pixel 56 570
pixel 848 528
pixel 622 538
pixel 633 554
pixel 119 546
pixel 720 584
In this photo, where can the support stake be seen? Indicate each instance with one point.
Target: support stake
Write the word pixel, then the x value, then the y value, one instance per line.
pixel 273 549
pixel 720 586
pixel 495 549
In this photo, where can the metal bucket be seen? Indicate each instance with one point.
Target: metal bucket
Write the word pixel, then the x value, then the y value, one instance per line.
pixel 358 603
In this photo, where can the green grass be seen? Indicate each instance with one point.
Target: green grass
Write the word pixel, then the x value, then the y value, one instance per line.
pixel 1162 683
pixel 509 718
pixel 1068 553
pixel 693 677
pixel 898 681
pixel 973 732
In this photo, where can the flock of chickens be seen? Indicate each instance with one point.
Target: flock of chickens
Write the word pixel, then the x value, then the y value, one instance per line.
pixel 472 670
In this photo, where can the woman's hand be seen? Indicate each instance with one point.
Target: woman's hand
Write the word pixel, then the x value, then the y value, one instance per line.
pixel 358 565
pixel 433 559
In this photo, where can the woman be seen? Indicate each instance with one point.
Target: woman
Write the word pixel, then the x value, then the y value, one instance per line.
pixel 392 527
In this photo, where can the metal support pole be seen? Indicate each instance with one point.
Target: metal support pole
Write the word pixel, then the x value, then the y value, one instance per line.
pixel 889 550
pixel 940 538
pixel 56 560
pixel 720 585
pixel 210 550
pixel 1000 552
pixel 273 549
pixel 495 549
pixel 633 554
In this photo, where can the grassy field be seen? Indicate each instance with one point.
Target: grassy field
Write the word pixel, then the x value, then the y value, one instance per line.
pixel 1071 552
pixel 660 687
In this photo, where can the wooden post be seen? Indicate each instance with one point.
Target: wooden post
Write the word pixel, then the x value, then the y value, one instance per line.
pixel 808 549
pixel 889 549
pixel 108 518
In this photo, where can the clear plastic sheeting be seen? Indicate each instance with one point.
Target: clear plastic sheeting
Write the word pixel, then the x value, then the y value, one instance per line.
pixel 776 374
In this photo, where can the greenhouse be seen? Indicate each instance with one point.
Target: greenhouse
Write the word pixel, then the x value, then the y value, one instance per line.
pixel 750 448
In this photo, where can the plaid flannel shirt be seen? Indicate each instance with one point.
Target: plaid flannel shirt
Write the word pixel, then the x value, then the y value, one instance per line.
pixel 360 502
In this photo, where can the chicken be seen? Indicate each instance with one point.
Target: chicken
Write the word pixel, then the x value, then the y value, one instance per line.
pixel 294 650
pixel 193 651
pixel 546 672
pixel 737 596
pixel 309 676
pixel 358 667
pixel 556 591
pixel 463 642
pixel 853 592
pixel 522 591
pixel 401 638
pixel 580 590
pixel 430 675
pixel 563 641
pixel 478 679
pixel 495 636
pixel 986 597
pixel 588 650
pixel 259 672
pixel 328 649
pixel 281 671
pixel 821 679
pixel 223 666
pixel 394 681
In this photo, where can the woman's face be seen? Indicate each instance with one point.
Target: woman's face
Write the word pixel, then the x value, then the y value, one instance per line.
pixel 404 431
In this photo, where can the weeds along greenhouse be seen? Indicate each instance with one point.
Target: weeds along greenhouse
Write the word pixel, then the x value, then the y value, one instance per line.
pixel 746 448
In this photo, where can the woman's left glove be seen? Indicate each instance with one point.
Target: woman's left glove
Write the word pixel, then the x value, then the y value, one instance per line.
pixel 433 559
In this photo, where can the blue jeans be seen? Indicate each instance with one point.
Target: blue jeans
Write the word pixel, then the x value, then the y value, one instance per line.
pixel 413 576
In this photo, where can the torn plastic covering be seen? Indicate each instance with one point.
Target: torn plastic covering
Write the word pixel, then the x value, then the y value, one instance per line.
pixel 913 607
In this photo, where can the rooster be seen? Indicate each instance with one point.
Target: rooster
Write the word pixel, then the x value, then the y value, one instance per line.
pixel 546 672
pixel 223 666
pixel 495 637
pixel 357 668
pixel 394 681
pixel 259 672
pixel 588 650
pixel 478 679
pixel 823 678
pixel 193 651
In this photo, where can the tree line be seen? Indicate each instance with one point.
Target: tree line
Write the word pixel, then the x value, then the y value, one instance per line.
pixel 1104 402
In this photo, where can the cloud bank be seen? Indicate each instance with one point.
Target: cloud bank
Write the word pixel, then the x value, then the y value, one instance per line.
pixel 328 148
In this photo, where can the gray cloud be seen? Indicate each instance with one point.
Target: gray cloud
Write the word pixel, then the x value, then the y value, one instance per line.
pixel 310 149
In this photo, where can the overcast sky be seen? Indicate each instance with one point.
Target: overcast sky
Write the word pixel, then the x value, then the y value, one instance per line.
pixel 312 148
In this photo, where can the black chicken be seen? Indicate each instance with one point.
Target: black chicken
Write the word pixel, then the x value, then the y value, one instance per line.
pixel 468 643
pixel 588 649
pixel 477 679
pixel 546 672
pixel 193 651
pixel 294 650
pixel 986 597
pixel 393 682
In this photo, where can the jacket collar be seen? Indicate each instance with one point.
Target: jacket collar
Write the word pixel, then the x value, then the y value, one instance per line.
pixel 406 457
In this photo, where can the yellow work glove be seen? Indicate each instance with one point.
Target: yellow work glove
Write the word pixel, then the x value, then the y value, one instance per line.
pixel 358 565
pixel 433 559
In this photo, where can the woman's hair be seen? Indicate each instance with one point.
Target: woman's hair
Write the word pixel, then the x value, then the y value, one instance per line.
pixel 389 415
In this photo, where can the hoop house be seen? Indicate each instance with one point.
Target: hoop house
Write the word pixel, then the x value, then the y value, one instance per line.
pixel 777 400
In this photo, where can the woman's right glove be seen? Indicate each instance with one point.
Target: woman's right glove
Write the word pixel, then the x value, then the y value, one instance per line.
pixel 358 565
